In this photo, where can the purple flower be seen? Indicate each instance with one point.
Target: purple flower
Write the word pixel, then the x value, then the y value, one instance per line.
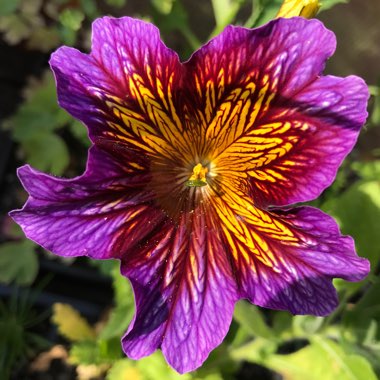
pixel 189 172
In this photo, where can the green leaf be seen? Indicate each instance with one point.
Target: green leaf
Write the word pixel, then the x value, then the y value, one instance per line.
pixel 358 213
pixel 251 319
pixel 7 7
pixel 322 359
pixel 267 11
pixel 48 152
pixel 84 352
pixel 306 324
pixel 79 131
pixel 155 367
pixel 163 6
pixel 122 313
pixel 71 324
pixel 225 12
pixel 282 323
pixel 89 7
pixel 124 369
pixel 18 262
pixel 364 318
pixel 39 113
pixel 368 170
pixel 72 18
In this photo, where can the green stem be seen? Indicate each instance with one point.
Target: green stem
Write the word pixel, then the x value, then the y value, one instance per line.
pixel 257 10
pixel 190 37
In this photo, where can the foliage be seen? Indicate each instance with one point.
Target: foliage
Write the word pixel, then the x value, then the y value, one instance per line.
pixel 345 345
pixel 17 341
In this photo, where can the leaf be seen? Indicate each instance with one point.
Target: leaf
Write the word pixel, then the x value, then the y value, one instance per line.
pixel 267 12
pixel 306 324
pixel 8 7
pixel 71 324
pixel 79 131
pixel 18 262
pixel 368 170
pixel 225 12
pixel 124 370
pixel 163 6
pixel 155 367
pixel 358 213
pixel 364 318
pixel 71 18
pixel 322 359
pixel 282 323
pixel 251 319
pixel 122 313
pixel 39 113
pixel 47 152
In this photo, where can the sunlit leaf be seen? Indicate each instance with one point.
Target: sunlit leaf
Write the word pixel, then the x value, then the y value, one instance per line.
pixel 71 324
pixel 18 262
pixel 155 367
pixel 322 359
pixel 368 170
pixel 124 369
pixel 251 319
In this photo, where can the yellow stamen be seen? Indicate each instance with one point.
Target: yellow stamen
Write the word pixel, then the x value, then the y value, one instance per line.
pixel 198 178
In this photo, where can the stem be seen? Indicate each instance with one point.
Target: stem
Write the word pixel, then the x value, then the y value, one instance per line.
pixel 190 37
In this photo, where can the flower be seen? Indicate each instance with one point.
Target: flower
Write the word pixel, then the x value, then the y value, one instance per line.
pixel 304 8
pixel 191 171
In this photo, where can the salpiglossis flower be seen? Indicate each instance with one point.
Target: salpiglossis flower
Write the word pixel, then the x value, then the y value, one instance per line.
pixel 191 167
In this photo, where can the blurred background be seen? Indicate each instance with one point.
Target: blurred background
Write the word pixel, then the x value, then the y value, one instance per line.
pixel 63 319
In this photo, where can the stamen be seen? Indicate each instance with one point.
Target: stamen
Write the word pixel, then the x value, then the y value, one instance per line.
pixel 198 177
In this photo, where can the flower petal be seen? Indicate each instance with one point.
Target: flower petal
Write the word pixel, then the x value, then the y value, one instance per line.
pixel 86 215
pixel 233 79
pixel 287 259
pixel 185 293
pixel 126 89
pixel 295 154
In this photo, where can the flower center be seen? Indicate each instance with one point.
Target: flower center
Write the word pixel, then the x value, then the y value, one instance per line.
pixel 198 178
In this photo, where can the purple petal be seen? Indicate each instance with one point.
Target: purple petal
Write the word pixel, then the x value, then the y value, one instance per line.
pixel 286 53
pixel 185 294
pixel 126 88
pixel 314 130
pixel 295 270
pixel 86 215
pixel 268 114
